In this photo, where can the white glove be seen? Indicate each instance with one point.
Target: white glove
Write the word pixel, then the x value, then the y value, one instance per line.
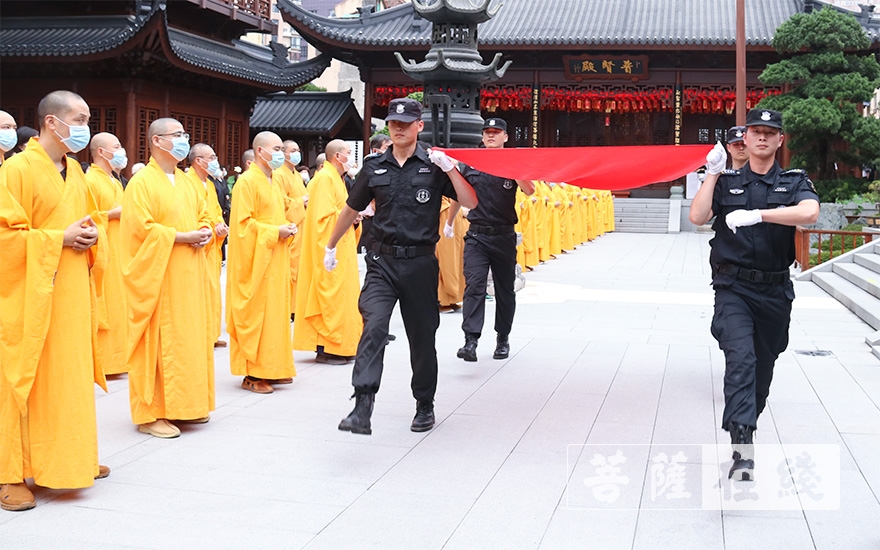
pixel 330 259
pixel 448 231
pixel 716 160
pixel 519 238
pixel 742 218
pixel 441 159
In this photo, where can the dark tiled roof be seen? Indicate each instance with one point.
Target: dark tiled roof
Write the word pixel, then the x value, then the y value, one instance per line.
pixel 244 60
pixel 54 37
pixel 68 36
pixel 317 113
pixel 608 23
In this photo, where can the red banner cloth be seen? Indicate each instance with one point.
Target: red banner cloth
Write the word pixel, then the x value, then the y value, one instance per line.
pixel 609 168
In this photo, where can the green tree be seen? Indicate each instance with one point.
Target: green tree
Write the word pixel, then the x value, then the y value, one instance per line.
pixel 309 87
pixel 829 81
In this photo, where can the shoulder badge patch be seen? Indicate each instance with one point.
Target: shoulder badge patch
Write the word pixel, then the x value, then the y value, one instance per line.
pixel 423 195
pixel 508 184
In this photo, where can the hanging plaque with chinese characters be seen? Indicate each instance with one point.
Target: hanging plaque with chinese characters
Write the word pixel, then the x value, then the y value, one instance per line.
pixel 581 67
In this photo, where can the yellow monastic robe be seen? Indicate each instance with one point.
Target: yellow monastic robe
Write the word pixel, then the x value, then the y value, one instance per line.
pixel 593 224
pixel 170 350
pixel 294 190
pixel 519 206
pixel 530 228
pixel 450 257
pixel 578 209
pixel 545 225
pixel 213 253
pixel 609 210
pixel 258 280
pixel 556 217
pixel 49 325
pixel 566 219
pixel 112 305
pixel 327 301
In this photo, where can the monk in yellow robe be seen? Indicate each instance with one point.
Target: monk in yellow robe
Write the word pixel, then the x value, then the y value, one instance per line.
pixel 295 201
pixel 450 257
pixel 108 156
pixel 51 248
pixel 8 134
pixel 165 226
pixel 203 163
pixel 546 205
pixel 258 274
pixel 327 317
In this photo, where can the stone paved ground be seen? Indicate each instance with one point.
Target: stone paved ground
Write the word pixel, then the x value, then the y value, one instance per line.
pixel 611 351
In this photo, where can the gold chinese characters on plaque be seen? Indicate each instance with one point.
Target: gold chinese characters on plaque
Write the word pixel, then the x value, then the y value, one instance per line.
pixel 582 67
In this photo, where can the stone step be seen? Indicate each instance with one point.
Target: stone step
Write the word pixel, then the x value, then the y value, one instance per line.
pixel 862 277
pixel 870 261
pixel 860 302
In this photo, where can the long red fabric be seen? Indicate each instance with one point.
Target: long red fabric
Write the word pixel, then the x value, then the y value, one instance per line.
pixel 593 167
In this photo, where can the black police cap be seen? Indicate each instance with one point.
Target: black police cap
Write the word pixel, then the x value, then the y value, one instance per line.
pixel 404 109
pixel 764 117
pixel 496 123
pixel 735 134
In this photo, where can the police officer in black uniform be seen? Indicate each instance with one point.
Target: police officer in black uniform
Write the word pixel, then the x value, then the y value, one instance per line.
pixel 757 209
pixel 407 183
pixel 739 155
pixel 490 243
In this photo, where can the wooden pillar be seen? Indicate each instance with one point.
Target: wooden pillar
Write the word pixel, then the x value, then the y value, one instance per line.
pixel 130 139
pixel 740 62
pixel 366 76
pixel 222 136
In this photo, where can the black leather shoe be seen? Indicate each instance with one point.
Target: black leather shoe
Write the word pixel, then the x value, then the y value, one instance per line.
pixel 502 349
pixel 424 419
pixel 742 440
pixel 358 422
pixel 468 352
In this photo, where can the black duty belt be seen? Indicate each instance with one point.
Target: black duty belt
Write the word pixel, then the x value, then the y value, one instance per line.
pixel 492 229
pixel 754 275
pixel 403 251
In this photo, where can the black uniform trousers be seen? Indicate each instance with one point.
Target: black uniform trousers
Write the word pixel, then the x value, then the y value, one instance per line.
pixel 751 326
pixel 482 252
pixel 413 282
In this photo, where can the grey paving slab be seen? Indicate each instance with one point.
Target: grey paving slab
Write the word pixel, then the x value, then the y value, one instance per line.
pixel 611 347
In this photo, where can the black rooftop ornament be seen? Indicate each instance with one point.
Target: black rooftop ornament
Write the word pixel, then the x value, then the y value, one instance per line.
pixel 453 70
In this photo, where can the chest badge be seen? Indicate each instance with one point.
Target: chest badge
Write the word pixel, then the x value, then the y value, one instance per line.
pixel 736 191
pixel 781 190
pixel 423 195
pixel 380 171
pixel 425 170
pixel 507 184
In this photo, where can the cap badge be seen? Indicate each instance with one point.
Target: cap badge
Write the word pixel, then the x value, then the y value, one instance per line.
pixel 739 133
pixel 400 109
pixel 492 122
pixel 765 115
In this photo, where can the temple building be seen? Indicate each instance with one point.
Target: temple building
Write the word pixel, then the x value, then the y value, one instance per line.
pixel 583 72
pixel 137 60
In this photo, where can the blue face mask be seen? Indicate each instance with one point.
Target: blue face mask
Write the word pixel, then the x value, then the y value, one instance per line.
pixel 213 167
pixel 78 139
pixel 295 157
pixel 277 160
pixel 8 139
pixel 179 147
pixel 119 160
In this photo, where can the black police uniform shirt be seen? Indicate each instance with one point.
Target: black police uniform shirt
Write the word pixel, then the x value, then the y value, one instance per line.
pixel 765 246
pixel 496 199
pixel 408 197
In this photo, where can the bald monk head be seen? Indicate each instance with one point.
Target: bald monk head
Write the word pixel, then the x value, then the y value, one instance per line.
pixel 169 143
pixel 268 152
pixel 105 149
pixel 64 124
pixel 200 158
pixel 246 159
pixel 339 155
pixel 292 154
pixel 8 136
